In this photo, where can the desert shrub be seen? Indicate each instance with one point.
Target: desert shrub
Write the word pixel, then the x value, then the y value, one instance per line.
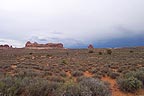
pixel 97 76
pixel 133 68
pixel 141 69
pixel 6 66
pixel 90 51
pixel 10 87
pixel 132 80
pixel 67 53
pixel 131 51
pixel 77 73
pixel 2 74
pixel 27 73
pixel 73 89
pixel 48 73
pixel 13 86
pixel 100 53
pixel 129 74
pixel 41 88
pixel 121 69
pixel 100 73
pixel 105 70
pixel 30 53
pixel 64 62
pixel 108 65
pixel 81 78
pixel 139 74
pixel 63 74
pixel 82 69
pixel 48 55
pixel 113 75
pixel 93 71
pixel 16 86
pixel 125 71
pixel 38 67
pixel 109 51
pixel 98 87
pixel 46 68
pixel 130 84
pixel 57 79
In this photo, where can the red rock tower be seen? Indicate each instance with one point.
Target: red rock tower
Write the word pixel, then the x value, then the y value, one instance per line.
pixel 90 46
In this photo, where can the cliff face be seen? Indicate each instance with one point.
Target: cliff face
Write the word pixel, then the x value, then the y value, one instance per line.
pixel 35 45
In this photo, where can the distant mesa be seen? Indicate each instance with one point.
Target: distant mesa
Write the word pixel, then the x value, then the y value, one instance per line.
pixel 90 46
pixel 5 46
pixel 35 45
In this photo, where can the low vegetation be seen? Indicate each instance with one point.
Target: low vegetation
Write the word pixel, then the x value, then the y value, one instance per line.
pixel 130 84
pixel 132 81
pixel 109 51
pixel 70 72
pixel 28 86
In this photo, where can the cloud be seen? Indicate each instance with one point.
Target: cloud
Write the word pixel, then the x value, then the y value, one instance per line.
pixel 73 22
pixel 10 42
pixel 68 42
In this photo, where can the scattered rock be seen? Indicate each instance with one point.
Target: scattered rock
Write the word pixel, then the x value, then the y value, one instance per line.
pixel 33 57
pixel 13 66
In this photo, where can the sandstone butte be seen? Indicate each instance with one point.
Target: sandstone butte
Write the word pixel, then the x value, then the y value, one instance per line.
pixel 5 46
pixel 35 45
pixel 90 46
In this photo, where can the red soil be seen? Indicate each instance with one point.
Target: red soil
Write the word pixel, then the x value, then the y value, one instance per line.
pixel 87 74
pixel 68 73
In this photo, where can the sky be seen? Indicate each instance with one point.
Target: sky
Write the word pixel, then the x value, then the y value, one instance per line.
pixel 75 23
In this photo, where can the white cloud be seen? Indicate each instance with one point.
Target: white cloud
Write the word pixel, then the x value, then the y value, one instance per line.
pixel 83 21
pixel 10 42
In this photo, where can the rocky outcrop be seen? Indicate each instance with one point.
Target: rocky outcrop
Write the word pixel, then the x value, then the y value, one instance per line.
pixel 5 46
pixel 90 46
pixel 35 45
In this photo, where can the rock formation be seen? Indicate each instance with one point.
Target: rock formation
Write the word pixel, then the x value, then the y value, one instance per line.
pixel 90 46
pixel 5 46
pixel 35 45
